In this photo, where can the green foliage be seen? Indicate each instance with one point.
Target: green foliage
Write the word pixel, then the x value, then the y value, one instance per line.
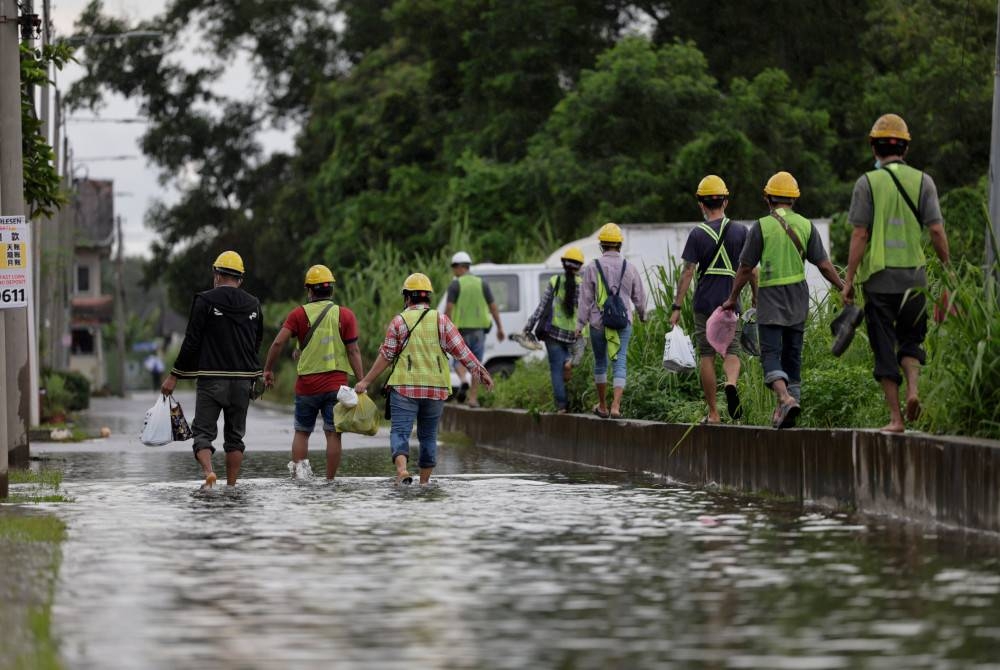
pixel 56 399
pixel 71 388
pixel 46 477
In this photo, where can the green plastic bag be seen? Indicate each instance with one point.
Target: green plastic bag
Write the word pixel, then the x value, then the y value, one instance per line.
pixel 362 418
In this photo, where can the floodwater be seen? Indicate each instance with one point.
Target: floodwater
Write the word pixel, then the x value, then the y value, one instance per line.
pixel 502 563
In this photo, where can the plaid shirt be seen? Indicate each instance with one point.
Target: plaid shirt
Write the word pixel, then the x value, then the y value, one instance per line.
pixel 451 342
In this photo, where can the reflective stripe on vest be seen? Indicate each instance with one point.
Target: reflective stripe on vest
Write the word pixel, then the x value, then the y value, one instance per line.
pixel 326 351
pixel 422 362
pixel 560 319
pixel 471 310
pixel 895 238
pixel 727 266
pixel 780 262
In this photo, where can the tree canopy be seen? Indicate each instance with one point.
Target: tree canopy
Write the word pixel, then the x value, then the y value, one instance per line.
pixel 528 123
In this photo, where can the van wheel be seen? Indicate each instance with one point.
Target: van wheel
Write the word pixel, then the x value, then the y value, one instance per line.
pixel 500 369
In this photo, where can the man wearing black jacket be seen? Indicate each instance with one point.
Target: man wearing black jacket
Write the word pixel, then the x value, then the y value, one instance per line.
pixel 224 333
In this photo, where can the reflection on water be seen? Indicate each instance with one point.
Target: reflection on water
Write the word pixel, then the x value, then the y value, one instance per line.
pixel 500 564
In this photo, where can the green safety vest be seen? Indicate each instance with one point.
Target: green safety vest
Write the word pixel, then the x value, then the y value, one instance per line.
pixel 471 310
pixel 726 269
pixel 560 319
pixel 423 361
pixel 326 351
pixel 895 240
pixel 780 262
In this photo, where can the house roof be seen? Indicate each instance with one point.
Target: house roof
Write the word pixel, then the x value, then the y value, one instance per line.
pixel 90 310
pixel 94 214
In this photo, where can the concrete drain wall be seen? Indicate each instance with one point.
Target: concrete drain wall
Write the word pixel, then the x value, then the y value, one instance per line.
pixel 921 477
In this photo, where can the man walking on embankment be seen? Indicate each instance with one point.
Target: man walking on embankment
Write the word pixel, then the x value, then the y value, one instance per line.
pixel 889 208
pixel 224 332
pixel 610 278
pixel 781 243
pixel 470 305
pixel 711 248
pixel 416 346
pixel 327 335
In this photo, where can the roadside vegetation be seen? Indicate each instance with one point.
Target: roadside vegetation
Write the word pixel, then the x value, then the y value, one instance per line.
pixel 35 486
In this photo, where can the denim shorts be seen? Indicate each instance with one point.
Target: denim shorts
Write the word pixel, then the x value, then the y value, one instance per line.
pixel 306 408
pixel 475 339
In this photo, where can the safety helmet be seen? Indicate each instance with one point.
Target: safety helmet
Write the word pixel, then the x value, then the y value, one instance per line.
pixel 610 232
pixel 229 263
pixel 574 254
pixel 783 185
pixel 461 258
pixel 890 126
pixel 712 185
pixel 319 274
pixel 418 281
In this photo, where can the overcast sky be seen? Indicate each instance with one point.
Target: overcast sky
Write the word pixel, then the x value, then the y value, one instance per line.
pixel 136 180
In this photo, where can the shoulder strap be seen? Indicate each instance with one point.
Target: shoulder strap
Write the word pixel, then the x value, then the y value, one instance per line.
pixel 791 233
pixel 312 328
pixel 902 192
pixel 718 245
pixel 600 271
pixel 621 277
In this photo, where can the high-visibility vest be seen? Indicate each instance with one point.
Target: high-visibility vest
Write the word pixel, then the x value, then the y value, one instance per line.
pixel 471 310
pixel 560 319
pixel 422 362
pixel 780 261
pixel 895 239
pixel 714 268
pixel 325 352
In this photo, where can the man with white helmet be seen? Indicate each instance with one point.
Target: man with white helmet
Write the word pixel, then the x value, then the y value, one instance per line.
pixel 224 333
pixel 420 338
pixel 470 305
pixel 327 337
pixel 890 207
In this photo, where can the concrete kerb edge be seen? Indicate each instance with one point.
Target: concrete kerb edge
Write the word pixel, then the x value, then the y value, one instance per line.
pixel 896 476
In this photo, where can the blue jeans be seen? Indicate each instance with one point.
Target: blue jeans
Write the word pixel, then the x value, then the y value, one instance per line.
pixel 306 408
pixel 781 355
pixel 559 353
pixel 427 414
pixel 601 356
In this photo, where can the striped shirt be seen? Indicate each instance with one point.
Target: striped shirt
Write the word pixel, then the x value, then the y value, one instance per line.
pixel 451 342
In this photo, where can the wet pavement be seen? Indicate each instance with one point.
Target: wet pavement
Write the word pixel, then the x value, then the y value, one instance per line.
pixel 502 563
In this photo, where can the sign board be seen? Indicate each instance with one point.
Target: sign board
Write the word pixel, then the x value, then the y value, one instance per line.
pixel 15 262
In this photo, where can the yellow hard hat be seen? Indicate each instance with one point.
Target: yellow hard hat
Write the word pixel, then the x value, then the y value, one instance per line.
pixel 229 263
pixel 319 274
pixel 610 232
pixel 418 281
pixel 890 125
pixel 712 185
pixel 574 254
pixel 783 185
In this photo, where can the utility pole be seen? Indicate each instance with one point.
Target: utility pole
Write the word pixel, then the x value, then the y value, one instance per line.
pixel 15 383
pixel 993 234
pixel 120 306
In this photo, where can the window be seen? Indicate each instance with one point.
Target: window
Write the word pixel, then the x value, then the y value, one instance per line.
pixel 83 341
pixel 505 291
pixel 543 281
pixel 82 278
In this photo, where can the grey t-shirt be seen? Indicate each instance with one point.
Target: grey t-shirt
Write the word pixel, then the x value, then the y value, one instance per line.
pixel 862 214
pixel 786 305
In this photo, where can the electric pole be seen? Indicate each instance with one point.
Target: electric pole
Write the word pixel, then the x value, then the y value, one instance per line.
pixel 14 332
pixel 993 234
pixel 120 306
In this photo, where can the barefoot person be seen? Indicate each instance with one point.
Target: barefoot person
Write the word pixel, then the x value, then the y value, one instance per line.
pixel 224 332
pixel 890 207
pixel 419 339
pixel 327 335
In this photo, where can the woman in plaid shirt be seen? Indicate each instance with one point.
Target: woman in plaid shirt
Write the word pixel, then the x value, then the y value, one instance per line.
pixel 416 345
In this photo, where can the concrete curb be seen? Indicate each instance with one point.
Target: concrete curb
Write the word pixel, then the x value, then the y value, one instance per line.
pixel 918 477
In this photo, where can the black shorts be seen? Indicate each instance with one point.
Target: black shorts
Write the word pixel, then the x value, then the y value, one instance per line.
pixel 897 326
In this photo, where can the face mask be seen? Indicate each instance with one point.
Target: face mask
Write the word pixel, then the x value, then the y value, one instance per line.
pixel 878 164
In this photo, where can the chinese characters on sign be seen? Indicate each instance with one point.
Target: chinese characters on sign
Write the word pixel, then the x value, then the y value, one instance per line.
pixel 15 257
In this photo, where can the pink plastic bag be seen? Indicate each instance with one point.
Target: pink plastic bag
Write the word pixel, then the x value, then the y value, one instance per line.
pixel 721 329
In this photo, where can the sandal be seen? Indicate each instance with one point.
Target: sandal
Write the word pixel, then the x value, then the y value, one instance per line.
pixel 787 414
pixel 597 412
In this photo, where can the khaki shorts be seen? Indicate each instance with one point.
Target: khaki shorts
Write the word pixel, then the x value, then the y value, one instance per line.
pixel 701 340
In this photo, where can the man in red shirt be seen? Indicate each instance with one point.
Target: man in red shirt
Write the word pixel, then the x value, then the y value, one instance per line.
pixel 327 336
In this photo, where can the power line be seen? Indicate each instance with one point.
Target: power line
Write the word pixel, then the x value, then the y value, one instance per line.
pixel 100 119
pixel 93 159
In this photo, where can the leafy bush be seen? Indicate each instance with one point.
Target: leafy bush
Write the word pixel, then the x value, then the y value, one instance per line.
pixel 78 386
pixel 56 399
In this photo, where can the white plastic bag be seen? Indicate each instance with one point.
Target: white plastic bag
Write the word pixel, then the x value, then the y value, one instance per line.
pixel 158 429
pixel 678 351
pixel 347 397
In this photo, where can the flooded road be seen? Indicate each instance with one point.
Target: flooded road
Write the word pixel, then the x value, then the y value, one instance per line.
pixel 502 563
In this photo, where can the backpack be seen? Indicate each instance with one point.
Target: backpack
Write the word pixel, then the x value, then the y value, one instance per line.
pixel 614 314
